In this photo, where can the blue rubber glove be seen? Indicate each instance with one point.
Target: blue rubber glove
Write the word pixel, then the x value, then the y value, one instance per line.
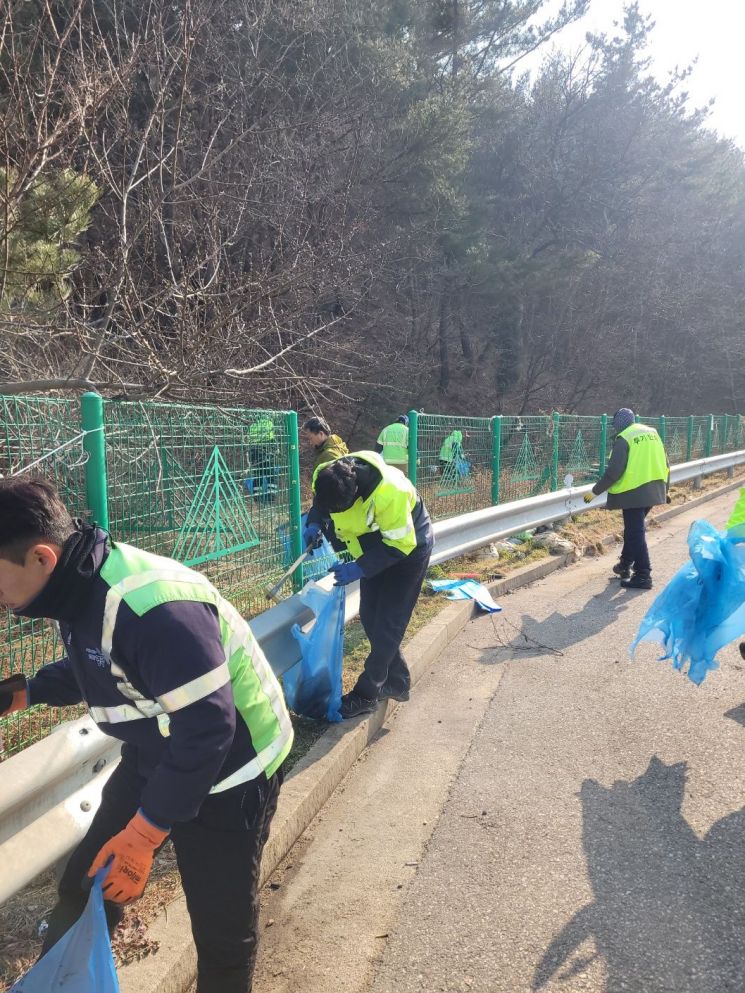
pixel 346 572
pixel 312 536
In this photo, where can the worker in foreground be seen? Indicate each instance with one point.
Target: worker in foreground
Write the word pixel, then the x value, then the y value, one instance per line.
pixel 393 444
pixel 170 668
pixel 636 479
pixel 325 446
pixel 380 519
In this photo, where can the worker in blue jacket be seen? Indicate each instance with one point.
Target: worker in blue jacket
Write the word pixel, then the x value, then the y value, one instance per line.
pixel 170 668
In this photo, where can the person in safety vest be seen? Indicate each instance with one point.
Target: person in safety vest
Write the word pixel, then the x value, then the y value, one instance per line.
pixel 172 670
pixel 380 519
pixel 636 479
pixel 737 520
pixel 262 454
pixel 451 449
pixel 325 446
pixel 393 444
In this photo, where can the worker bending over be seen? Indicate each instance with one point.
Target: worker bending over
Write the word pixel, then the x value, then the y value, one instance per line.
pixel 382 522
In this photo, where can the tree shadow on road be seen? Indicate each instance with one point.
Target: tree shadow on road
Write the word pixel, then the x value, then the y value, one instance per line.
pixel 558 631
pixel 669 909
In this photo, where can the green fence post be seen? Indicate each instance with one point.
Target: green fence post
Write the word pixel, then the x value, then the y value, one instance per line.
pixel 293 467
pixel 496 456
pixel 603 454
pixel 689 452
pixel 710 436
pixel 413 444
pixel 94 443
pixel 662 429
pixel 556 418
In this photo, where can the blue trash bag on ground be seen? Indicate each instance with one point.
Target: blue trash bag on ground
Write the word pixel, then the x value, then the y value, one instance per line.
pixel 313 686
pixel 702 608
pixel 467 589
pixel 81 961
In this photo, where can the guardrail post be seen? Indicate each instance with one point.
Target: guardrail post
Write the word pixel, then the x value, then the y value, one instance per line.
pixel 293 482
pixel 689 447
pixel 556 418
pixel 496 456
pixel 662 429
pixel 94 444
pixel 710 435
pixel 413 444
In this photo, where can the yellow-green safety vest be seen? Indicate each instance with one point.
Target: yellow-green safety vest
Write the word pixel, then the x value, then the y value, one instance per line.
pixel 143 581
pixel 451 446
pixel 395 442
pixel 262 430
pixel 738 514
pixel 388 510
pixel 647 460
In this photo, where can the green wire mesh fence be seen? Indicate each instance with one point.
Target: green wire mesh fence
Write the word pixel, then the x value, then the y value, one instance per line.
pixel 525 457
pixel 454 463
pixel 699 437
pixel 208 486
pixel 676 439
pixel 44 436
pixel 582 446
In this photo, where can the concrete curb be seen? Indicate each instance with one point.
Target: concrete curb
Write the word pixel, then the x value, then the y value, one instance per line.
pixel 172 969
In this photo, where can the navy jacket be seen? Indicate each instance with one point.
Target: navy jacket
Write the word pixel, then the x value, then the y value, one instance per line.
pixel 165 648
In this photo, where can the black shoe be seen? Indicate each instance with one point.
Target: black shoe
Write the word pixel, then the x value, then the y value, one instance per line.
pixel 742 649
pixel 352 705
pixel 639 581
pixel 389 692
pixel 622 571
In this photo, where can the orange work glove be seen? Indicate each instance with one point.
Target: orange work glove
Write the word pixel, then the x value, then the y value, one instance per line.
pixel 13 694
pixel 131 852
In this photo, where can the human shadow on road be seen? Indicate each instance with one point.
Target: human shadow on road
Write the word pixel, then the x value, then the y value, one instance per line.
pixel 559 630
pixel 669 908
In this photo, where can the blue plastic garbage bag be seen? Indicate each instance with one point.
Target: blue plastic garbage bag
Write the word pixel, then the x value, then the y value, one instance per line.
pixel 81 961
pixel 467 589
pixel 319 562
pixel 313 686
pixel 702 608
pixel 321 559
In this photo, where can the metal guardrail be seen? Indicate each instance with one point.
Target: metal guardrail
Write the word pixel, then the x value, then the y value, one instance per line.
pixel 50 791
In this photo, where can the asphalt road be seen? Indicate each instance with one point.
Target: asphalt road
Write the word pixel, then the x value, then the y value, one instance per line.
pixel 543 815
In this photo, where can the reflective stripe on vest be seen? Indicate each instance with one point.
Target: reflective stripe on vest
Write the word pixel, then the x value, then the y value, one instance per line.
pixel 240 640
pixel 647 462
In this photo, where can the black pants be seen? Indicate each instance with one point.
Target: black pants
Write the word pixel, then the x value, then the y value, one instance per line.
pixel 218 855
pixel 387 602
pixel 635 552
